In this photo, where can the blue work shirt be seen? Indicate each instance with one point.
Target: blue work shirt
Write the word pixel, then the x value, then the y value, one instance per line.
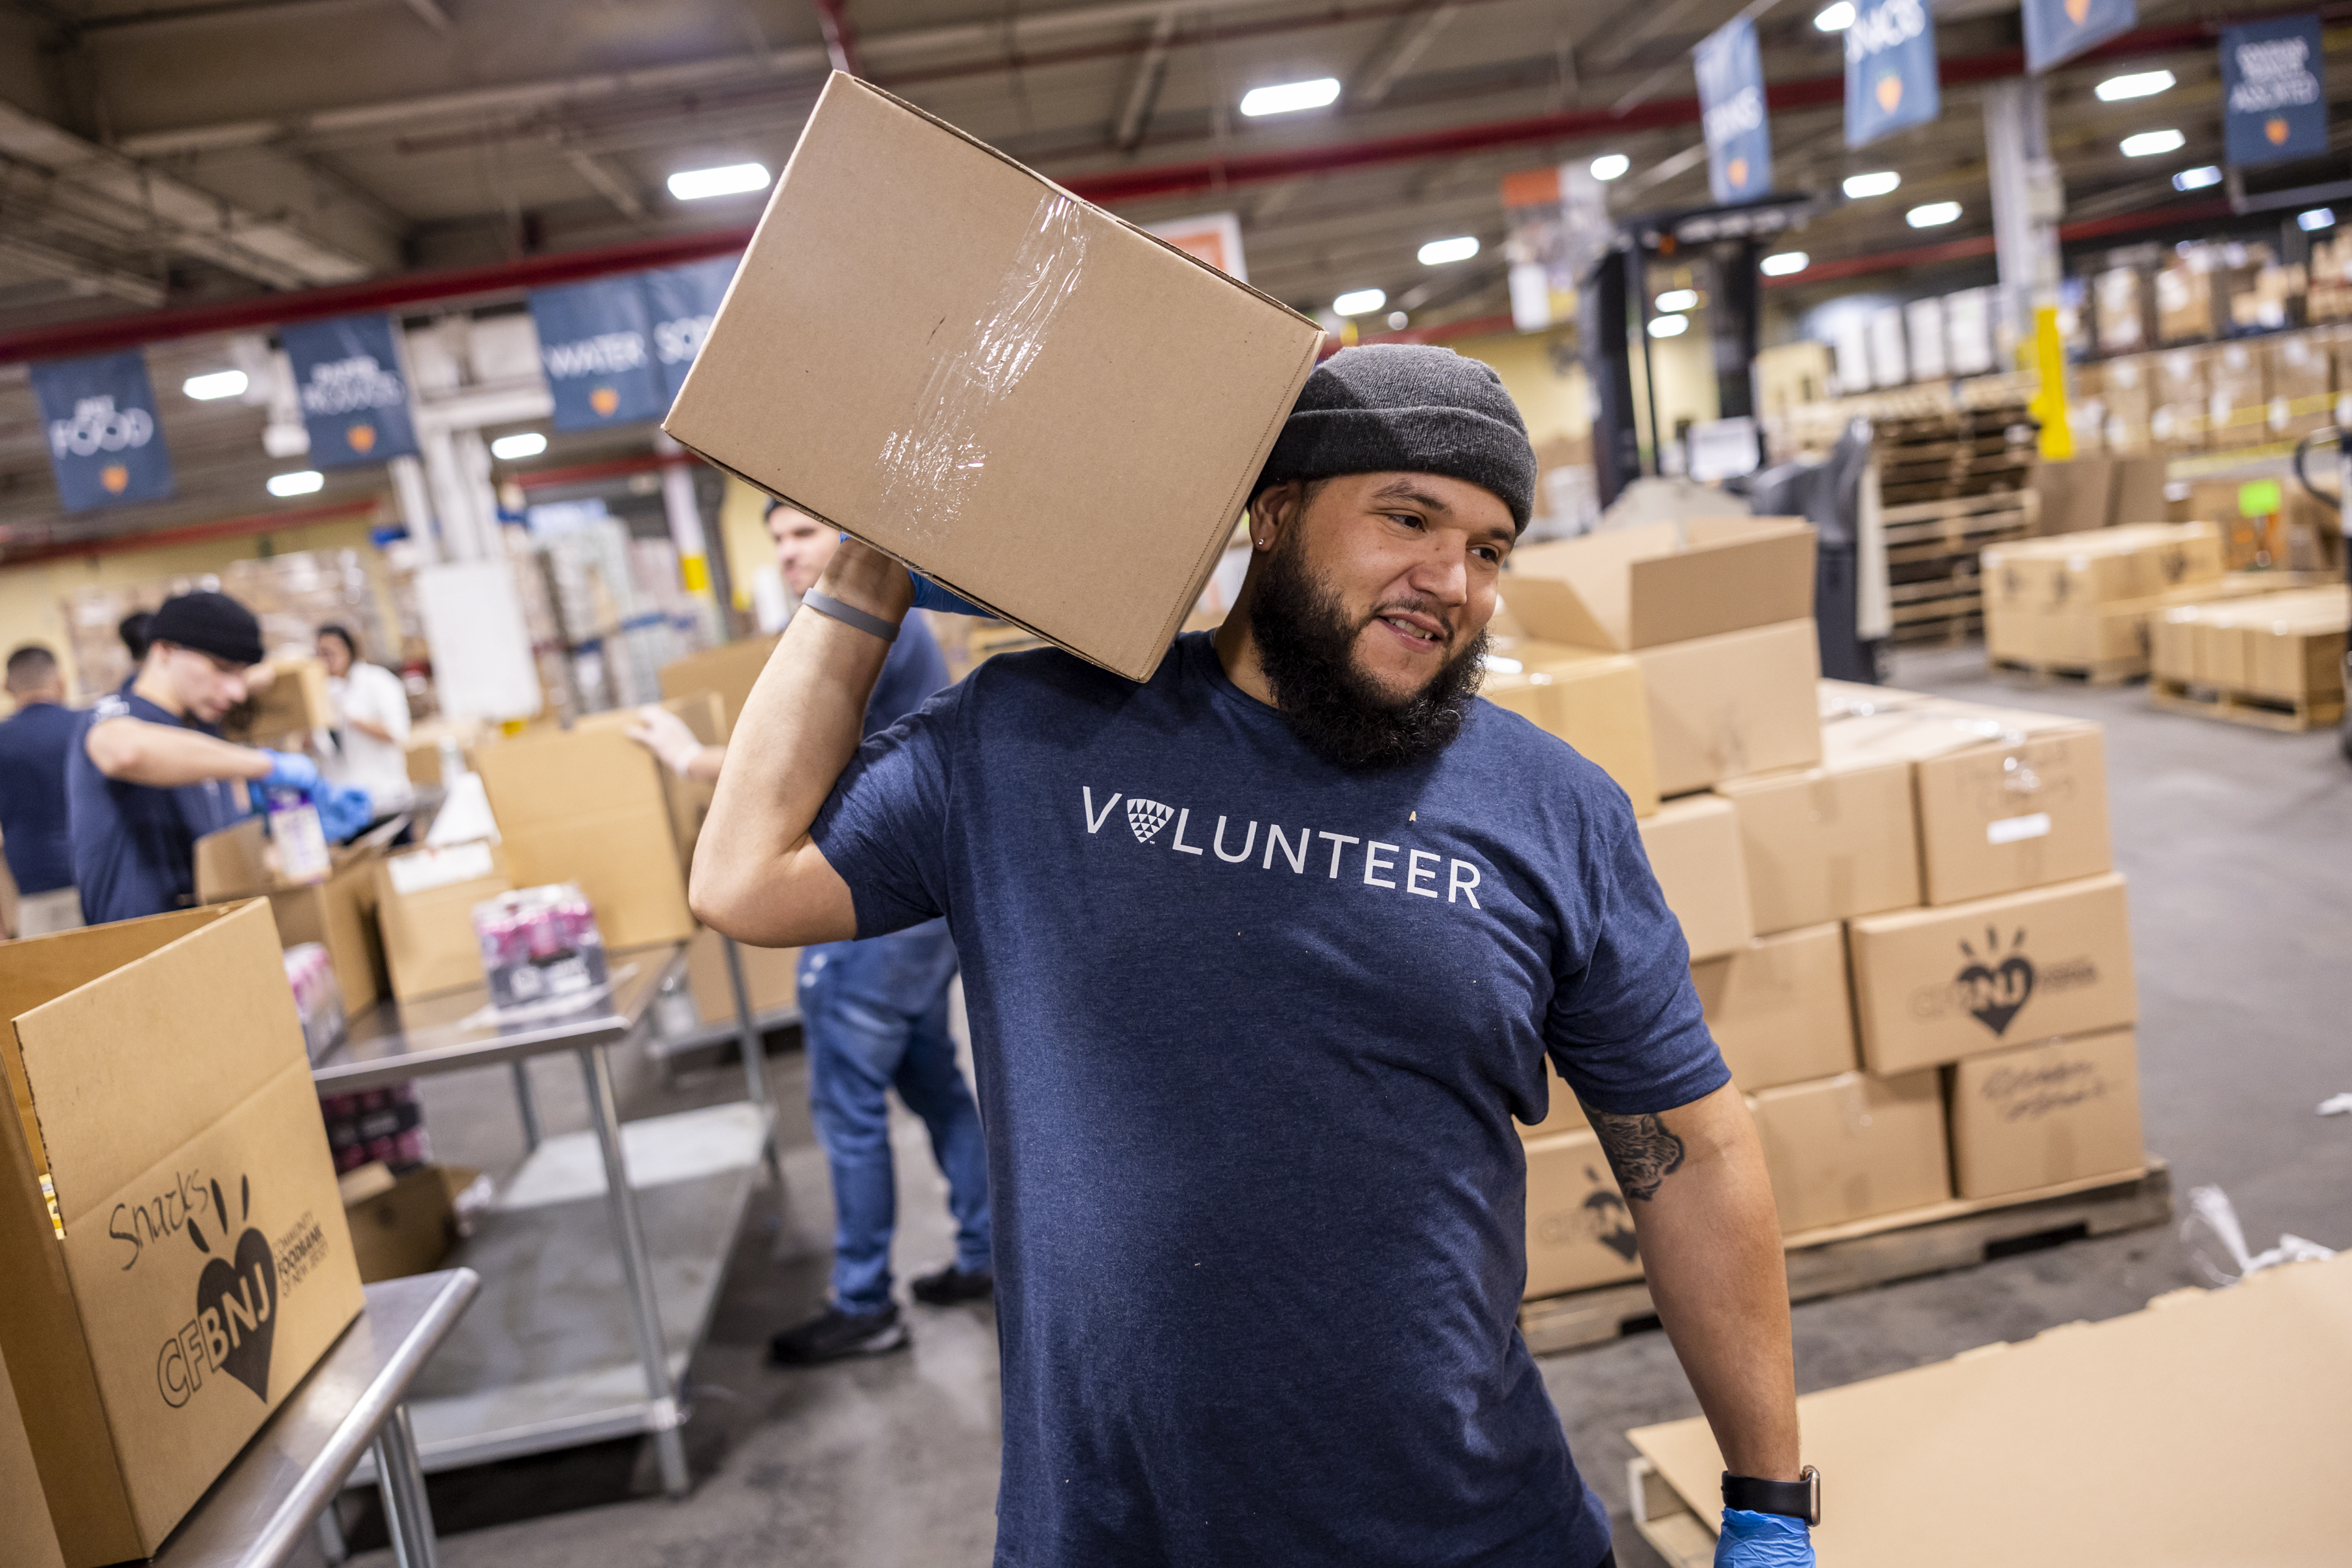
pixel 1251 1033
pixel 911 671
pixel 135 847
pixel 34 744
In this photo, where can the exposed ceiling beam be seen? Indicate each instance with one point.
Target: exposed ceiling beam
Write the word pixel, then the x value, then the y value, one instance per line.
pixel 86 277
pixel 1144 91
pixel 1407 39
pixel 604 181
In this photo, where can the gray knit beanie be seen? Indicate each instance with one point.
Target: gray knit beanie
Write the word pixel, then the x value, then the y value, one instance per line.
pixel 1407 408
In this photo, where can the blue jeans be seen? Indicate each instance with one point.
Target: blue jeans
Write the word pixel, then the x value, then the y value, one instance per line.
pixel 874 1015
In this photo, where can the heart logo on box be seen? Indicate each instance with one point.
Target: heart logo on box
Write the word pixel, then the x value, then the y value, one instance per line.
pixel 1996 986
pixel 237 1298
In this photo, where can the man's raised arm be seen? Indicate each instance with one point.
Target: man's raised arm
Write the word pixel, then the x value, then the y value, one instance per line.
pixel 757 876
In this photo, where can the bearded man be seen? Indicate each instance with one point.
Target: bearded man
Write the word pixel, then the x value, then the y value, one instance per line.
pixel 1263 957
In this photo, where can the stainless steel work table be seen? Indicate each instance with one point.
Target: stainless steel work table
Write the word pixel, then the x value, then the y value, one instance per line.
pixel 354 1401
pixel 574 1342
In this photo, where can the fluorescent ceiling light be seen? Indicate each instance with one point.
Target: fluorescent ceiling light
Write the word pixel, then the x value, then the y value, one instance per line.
pixel 1669 326
pixel 298 484
pixel 1835 18
pixel 1878 183
pixel 2148 143
pixel 218 384
pixel 1609 165
pixel 1783 263
pixel 728 180
pixel 525 444
pixel 1438 252
pixel 1359 302
pixel 2138 84
pixel 2318 217
pixel 1933 215
pixel 1678 300
pixel 2196 179
pixel 1290 96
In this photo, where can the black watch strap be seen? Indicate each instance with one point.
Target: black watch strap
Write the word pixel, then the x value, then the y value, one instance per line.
pixel 1800 1499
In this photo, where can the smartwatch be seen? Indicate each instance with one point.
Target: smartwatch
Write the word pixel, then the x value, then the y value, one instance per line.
pixel 1800 1499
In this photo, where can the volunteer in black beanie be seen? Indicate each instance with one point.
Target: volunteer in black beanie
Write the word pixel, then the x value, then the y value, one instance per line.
pixel 151 774
pixel 1265 955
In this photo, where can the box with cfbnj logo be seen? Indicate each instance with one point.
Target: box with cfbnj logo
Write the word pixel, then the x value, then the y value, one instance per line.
pixel 170 1227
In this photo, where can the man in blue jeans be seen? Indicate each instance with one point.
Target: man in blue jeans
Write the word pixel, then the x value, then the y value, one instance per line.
pixel 874 1015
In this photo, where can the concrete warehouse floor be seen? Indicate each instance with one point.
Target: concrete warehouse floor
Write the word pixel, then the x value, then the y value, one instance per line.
pixel 2239 846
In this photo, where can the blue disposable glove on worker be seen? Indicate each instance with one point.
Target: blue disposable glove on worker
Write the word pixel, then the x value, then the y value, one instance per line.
pixel 343 811
pixel 291 770
pixel 1762 1541
pixel 929 596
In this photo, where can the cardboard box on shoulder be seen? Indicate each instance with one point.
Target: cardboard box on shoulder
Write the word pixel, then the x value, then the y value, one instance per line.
pixel 1580 1232
pixel 1781 1010
pixel 1692 846
pixel 1932 986
pixel 424 908
pixel 588 807
pixel 1730 706
pixel 920 377
pixel 1827 842
pixel 168 1211
pixel 2061 1112
pixel 338 914
pixel 1592 700
pixel 1853 1147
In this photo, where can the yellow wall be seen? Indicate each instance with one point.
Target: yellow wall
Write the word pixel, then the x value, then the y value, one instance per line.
pixel 743 533
pixel 1551 401
pixel 30 596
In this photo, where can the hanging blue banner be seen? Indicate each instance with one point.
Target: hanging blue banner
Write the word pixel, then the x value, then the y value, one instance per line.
pixel 98 417
pixel 354 399
pixel 1731 99
pixel 681 300
pixel 2058 30
pixel 2271 104
pixel 595 345
pixel 1890 70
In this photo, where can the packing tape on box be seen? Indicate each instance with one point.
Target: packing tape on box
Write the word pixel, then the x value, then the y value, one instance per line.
pixel 929 468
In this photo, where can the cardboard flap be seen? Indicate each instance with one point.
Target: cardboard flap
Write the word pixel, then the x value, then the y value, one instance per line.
pixel 587 771
pixel 1737 572
pixel 1596 571
pixel 233 863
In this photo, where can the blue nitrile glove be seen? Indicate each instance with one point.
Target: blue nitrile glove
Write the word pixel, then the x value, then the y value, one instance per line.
pixel 291 770
pixel 343 810
pixel 929 596
pixel 1762 1541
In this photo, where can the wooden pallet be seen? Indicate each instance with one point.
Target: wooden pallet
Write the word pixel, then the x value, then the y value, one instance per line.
pixel 1957 1234
pixel 2290 716
pixel 2106 672
pixel 1661 1517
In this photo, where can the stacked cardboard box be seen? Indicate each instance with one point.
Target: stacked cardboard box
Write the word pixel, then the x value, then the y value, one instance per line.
pixel 2283 648
pixel 2083 601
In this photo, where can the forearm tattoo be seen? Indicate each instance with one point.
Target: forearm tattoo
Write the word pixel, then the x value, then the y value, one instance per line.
pixel 1640 1149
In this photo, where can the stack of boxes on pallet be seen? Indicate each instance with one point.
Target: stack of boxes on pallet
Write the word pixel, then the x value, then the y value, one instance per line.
pixel 2275 660
pixel 2080 604
pixel 1902 921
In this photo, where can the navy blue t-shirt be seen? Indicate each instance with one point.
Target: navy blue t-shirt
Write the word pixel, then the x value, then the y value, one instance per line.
pixel 912 670
pixel 1251 1032
pixel 32 748
pixel 135 847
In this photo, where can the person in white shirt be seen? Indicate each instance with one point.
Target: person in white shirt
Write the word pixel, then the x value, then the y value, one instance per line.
pixel 371 723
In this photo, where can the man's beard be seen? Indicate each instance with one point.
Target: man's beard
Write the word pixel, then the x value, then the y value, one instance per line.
pixel 1306 644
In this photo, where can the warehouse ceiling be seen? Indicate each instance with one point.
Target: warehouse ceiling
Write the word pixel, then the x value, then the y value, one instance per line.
pixel 174 152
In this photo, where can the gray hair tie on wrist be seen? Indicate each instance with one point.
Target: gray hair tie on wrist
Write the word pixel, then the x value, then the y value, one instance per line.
pixel 849 616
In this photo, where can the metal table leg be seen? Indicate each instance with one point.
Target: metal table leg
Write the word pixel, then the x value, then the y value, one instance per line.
pixel 526 1104
pixel 407 1515
pixel 637 1270
pixel 329 1529
pixel 755 1064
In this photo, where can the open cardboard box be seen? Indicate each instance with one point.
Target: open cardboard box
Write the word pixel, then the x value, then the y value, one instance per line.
pixel 338 914
pixel 689 800
pixel 1654 583
pixel 589 806
pixel 1020 395
pixel 425 909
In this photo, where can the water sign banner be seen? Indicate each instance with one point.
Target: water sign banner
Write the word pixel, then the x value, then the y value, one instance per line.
pixel 98 420
pixel 681 301
pixel 1731 99
pixel 595 344
pixel 355 398
pixel 2058 30
pixel 1890 70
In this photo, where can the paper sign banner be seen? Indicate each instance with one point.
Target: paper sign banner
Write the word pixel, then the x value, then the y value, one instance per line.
pixel 2058 30
pixel 1731 99
pixel 595 344
pixel 2273 107
pixel 354 399
pixel 681 300
pixel 1890 70
pixel 98 420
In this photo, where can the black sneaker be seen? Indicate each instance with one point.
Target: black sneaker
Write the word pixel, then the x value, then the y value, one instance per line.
pixel 838 1336
pixel 951 1285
